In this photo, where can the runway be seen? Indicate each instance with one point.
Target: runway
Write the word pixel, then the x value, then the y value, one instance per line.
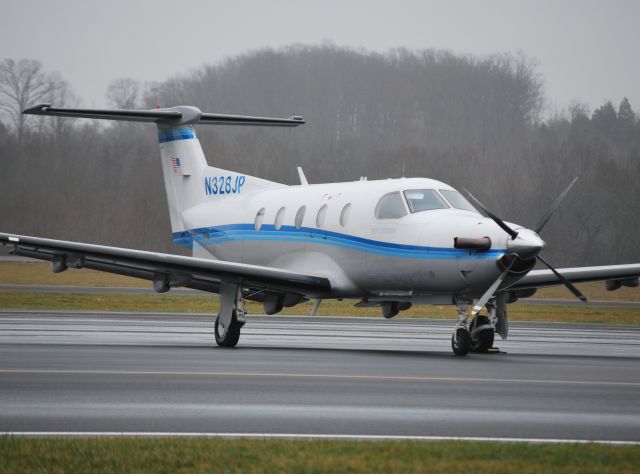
pixel 158 373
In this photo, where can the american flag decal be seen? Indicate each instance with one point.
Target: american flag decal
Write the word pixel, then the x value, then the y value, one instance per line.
pixel 175 164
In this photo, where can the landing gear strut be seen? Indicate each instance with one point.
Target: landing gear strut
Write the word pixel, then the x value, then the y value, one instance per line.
pixel 231 317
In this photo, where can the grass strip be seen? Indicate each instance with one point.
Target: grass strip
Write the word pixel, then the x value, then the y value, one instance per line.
pixel 210 304
pixel 160 455
pixel 39 273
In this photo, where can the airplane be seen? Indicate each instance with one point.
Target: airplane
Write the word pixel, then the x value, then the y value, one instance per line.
pixel 386 243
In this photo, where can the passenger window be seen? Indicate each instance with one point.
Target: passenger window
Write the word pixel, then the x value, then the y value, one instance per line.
pixel 279 218
pixel 300 216
pixel 344 215
pixel 390 206
pixel 259 218
pixel 424 200
pixel 322 214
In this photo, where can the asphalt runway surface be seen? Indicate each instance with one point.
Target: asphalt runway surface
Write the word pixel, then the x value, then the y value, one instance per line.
pixel 162 373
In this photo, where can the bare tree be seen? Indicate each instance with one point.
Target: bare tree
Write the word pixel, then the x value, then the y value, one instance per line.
pixel 124 93
pixel 22 83
pixel 61 95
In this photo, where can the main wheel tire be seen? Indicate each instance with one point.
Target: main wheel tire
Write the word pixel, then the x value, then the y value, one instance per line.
pixel 231 335
pixel 482 341
pixel 461 342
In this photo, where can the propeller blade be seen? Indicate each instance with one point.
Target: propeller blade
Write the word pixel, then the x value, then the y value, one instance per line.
pixel 578 294
pixel 495 218
pixel 490 292
pixel 554 207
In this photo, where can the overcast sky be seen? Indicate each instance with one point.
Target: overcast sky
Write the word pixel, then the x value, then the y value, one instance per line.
pixel 586 50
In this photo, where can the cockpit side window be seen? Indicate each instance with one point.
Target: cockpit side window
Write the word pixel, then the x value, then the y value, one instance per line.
pixel 424 200
pixel 457 200
pixel 391 206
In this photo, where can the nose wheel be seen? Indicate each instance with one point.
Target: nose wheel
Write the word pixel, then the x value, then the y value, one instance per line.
pixel 461 339
pixel 482 334
pixel 461 342
pixel 477 336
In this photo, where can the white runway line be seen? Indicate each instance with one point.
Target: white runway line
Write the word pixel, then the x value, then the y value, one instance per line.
pixel 312 436
pixel 413 378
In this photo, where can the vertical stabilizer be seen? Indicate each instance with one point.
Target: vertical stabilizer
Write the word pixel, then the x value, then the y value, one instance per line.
pixel 189 180
pixel 183 168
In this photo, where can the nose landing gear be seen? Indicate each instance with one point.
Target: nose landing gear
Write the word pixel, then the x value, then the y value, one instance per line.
pixel 482 334
pixel 477 336
pixel 461 339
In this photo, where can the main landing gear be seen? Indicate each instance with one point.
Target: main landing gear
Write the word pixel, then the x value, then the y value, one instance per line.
pixel 231 317
pixel 477 336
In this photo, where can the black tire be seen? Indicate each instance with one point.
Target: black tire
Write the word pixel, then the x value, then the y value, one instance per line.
pixel 232 335
pixel 463 344
pixel 482 341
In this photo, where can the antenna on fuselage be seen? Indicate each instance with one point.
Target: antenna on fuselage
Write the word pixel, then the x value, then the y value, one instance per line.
pixel 303 178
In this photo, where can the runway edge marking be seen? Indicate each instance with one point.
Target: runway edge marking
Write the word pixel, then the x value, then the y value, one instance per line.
pixel 316 436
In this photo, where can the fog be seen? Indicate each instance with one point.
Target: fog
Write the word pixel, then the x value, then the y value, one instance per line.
pixel 586 50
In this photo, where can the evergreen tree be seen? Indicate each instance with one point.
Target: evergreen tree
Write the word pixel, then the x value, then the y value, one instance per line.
pixel 605 120
pixel 626 120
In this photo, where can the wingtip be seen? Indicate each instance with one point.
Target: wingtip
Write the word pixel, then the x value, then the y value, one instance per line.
pixel 298 119
pixel 36 109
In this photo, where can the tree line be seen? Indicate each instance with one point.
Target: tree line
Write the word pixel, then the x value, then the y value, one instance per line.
pixel 469 121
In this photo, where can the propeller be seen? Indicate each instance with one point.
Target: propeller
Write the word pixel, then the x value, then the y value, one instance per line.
pixel 513 234
pixel 495 218
pixel 578 294
pixel 554 207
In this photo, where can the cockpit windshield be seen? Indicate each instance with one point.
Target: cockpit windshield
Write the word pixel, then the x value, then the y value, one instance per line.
pixel 457 200
pixel 424 200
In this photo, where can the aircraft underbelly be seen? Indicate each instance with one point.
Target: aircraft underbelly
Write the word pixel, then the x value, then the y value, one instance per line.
pixel 357 273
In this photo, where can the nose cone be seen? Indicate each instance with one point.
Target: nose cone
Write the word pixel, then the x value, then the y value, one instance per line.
pixel 527 244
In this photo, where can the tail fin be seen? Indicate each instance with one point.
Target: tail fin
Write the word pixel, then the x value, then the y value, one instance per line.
pixel 188 179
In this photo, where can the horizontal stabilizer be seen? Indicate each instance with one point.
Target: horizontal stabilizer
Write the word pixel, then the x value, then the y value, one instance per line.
pixel 181 115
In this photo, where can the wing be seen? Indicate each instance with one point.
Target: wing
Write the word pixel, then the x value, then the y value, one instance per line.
pixel 541 278
pixel 166 270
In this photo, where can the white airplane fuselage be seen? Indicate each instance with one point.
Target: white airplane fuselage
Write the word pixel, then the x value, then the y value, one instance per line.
pixel 410 258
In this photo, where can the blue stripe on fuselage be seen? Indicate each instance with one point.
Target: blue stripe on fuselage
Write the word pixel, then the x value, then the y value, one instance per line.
pixel 246 232
pixel 173 135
